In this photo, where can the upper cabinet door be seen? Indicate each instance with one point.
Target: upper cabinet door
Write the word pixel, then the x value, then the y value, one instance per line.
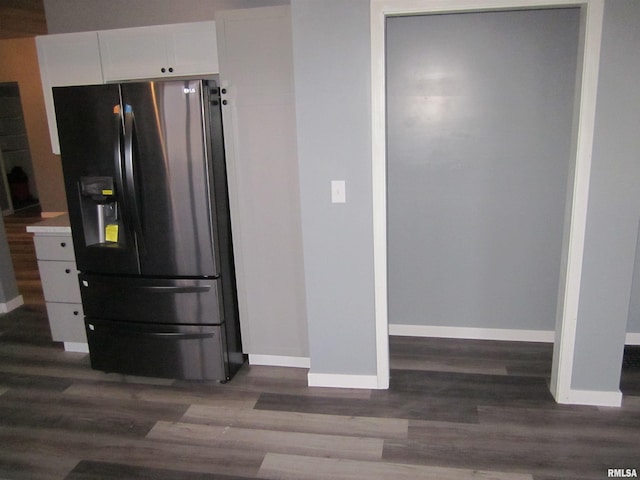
pixel 66 59
pixel 159 51
pixel 192 48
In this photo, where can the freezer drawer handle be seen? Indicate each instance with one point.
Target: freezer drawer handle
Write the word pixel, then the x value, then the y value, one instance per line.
pixel 160 335
pixel 172 288
pixel 157 288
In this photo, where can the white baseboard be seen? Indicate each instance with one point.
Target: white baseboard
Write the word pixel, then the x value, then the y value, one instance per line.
pixel 592 397
pixel 513 335
pixel 632 339
pixel 76 347
pixel 11 304
pixel 335 380
pixel 279 361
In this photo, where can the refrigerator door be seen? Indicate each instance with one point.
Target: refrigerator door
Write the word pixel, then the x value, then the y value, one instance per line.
pixel 168 178
pixel 90 127
pixel 144 300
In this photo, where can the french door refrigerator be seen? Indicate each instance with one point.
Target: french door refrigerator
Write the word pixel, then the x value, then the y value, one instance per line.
pixel 146 188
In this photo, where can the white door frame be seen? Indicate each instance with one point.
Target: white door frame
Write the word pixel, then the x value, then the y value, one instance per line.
pixel 577 196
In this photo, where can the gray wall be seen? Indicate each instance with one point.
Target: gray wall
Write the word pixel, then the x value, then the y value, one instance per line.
pixel 8 286
pixel 479 116
pixel 331 44
pixel 64 16
pixel 614 204
pixel 633 322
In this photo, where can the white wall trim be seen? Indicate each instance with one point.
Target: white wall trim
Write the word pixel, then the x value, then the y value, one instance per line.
pixel 342 381
pixel 566 324
pixel 632 339
pixel 593 397
pixel 570 284
pixel 79 347
pixel 11 304
pixel 471 333
pixel 379 191
pixel 279 361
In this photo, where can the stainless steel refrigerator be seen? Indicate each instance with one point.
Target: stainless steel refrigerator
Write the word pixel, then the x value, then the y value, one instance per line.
pixel 146 188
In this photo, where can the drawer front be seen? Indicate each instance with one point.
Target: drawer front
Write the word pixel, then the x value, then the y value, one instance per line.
pixel 189 352
pixel 59 281
pixel 54 247
pixel 155 300
pixel 66 321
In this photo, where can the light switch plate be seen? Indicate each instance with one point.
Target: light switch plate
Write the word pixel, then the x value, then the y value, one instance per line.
pixel 338 191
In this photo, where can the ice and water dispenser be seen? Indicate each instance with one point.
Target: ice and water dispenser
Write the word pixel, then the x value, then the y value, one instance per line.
pixel 100 213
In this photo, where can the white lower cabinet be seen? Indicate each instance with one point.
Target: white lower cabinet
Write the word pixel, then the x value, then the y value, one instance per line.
pixel 59 277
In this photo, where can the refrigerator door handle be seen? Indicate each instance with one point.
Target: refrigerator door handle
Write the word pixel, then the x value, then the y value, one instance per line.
pixel 117 158
pixel 130 181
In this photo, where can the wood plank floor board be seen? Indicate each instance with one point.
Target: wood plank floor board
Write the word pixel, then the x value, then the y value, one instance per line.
pixel 34 465
pixel 33 382
pixel 86 470
pixel 131 451
pixel 88 414
pixel 485 389
pixel 518 449
pixel 294 467
pixel 382 404
pixel 195 393
pixel 309 444
pixel 465 365
pixel 298 422
pixel 438 348
pixel 563 417
pixel 46 354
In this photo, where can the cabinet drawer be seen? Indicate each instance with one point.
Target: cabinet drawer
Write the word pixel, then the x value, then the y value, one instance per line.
pixel 66 321
pixel 54 247
pixel 59 281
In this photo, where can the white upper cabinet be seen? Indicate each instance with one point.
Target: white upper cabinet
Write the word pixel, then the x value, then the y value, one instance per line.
pixel 159 51
pixel 90 58
pixel 66 59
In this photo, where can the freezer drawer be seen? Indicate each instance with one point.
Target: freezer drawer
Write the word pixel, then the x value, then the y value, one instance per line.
pixel 172 351
pixel 151 300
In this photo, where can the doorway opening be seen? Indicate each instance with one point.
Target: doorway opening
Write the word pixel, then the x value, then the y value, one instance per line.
pixel 17 186
pixel 578 171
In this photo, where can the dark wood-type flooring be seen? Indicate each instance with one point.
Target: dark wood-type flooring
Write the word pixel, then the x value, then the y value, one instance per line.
pixel 456 410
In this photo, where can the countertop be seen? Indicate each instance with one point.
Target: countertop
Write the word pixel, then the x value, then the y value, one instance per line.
pixel 55 225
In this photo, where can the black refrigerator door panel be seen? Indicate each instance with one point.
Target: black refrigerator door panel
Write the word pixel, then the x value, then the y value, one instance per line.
pixel 172 351
pixel 90 127
pixel 168 172
pixel 167 301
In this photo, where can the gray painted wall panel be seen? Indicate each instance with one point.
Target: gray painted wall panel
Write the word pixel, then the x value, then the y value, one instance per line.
pixel 8 286
pixel 479 127
pixel 333 94
pixel 614 204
